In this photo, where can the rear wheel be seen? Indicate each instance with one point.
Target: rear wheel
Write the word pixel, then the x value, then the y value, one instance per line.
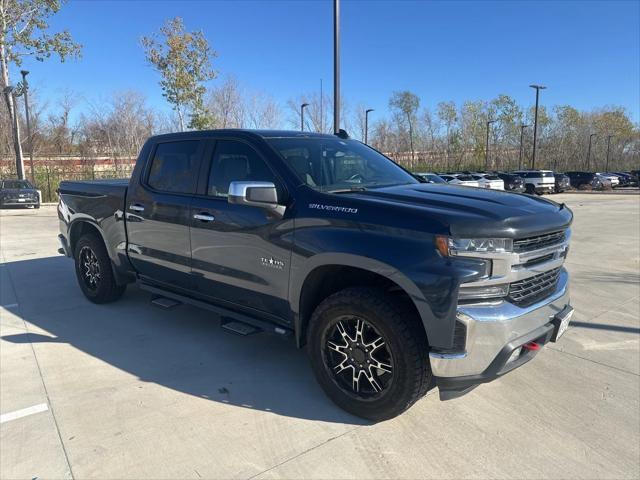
pixel 94 270
pixel 369 353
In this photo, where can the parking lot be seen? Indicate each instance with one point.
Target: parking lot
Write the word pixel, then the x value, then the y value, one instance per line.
pixel 128 390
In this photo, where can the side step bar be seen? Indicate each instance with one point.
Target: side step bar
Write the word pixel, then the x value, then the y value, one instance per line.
pixel 229 318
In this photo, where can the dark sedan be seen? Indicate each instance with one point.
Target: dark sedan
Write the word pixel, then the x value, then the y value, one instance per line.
pixel 18 193
pixel 512 183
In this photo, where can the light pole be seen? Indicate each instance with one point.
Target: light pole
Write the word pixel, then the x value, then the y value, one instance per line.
pixel 589 151
pixel 535 124
pixel 336 66
pixel 302 116
pixel 522 127
pixel 366 124
pixel 606 168
pixel 10 95
pixel 25 92
pixel 486 151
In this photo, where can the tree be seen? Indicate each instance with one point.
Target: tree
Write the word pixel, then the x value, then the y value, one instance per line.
pixel 448 114
pixel 406 104
pixel 226 105
pixel 183 60
pixel 23 33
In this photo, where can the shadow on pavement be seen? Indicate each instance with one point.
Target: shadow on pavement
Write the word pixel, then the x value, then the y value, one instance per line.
pixel 603 326
pixel 183 349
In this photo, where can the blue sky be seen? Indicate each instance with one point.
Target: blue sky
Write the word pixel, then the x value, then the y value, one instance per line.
pixel 586 52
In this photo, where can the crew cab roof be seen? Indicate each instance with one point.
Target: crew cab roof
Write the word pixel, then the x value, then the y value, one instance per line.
pixel 243 133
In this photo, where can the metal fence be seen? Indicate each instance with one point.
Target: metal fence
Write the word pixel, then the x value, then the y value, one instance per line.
pixel 47 178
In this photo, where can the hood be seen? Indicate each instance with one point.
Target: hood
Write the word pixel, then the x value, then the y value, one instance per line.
pixel 478 212
pixel 16 191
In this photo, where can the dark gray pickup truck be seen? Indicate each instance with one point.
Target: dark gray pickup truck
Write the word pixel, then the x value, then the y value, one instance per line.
pixel 395 286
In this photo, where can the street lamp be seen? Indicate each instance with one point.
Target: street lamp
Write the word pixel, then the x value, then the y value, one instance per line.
pixel 366 124
pixel 25 91
pixel 522 127
pixel 606 168
pixel 10 96
pixel 535 124
pixel 486 151
pixel 589 151
pixel 302 116
pixel 336 66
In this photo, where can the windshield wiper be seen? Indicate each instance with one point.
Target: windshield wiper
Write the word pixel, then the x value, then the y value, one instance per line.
pixel 346 190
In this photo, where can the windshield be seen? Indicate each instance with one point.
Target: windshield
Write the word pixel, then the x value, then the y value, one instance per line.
pixel 16 184
pixel 330 165
pixel 467 178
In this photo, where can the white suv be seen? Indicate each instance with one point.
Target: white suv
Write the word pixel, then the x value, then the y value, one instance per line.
pixel 537 181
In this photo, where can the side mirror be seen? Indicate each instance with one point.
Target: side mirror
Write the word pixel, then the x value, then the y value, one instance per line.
pixel 255 194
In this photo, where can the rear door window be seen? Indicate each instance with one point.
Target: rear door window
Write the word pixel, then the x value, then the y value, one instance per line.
pixel 174 167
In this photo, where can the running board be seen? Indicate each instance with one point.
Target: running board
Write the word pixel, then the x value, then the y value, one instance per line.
pixel 165 303
pixel 227 316
pixel 239 328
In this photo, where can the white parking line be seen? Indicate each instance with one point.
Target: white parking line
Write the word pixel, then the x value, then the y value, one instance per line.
pixel 7 417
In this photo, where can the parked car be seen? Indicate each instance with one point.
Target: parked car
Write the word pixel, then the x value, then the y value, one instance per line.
pixel 512 183
pixel 581 180
pixel 562 182
pixel 431 177
pixel 18 193
pixel 487 180
pixel 537 181
pixel 461 179
pixel 626 180
pixel 614 179
pixel 394 285
pixel 629 179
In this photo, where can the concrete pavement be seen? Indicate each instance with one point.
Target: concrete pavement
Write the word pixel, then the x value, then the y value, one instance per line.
pixel 132 391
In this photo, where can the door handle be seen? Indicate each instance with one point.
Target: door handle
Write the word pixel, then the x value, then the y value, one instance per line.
pixel 136 207
pixel 204 217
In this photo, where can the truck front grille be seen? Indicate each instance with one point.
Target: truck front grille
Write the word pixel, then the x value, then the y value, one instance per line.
pixel 533 289
pixel 540 241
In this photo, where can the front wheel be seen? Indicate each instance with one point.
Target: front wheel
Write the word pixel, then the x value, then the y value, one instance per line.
pixel 94 271
pixel 369 353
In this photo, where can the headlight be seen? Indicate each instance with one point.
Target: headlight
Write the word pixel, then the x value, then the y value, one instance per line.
pixel 493 291
pixel 453 246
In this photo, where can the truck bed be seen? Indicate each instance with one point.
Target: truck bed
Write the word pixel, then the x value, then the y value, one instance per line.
pixel 115 187
pixel 102 203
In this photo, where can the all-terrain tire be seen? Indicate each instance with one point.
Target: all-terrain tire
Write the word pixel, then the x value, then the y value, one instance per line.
pixel 94 270
pixel 403 336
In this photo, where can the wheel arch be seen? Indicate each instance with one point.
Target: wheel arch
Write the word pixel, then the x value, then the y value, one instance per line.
pixel 83 226
pixel 326 274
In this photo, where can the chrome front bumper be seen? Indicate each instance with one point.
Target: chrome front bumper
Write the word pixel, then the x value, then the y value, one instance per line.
pixel 491 327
